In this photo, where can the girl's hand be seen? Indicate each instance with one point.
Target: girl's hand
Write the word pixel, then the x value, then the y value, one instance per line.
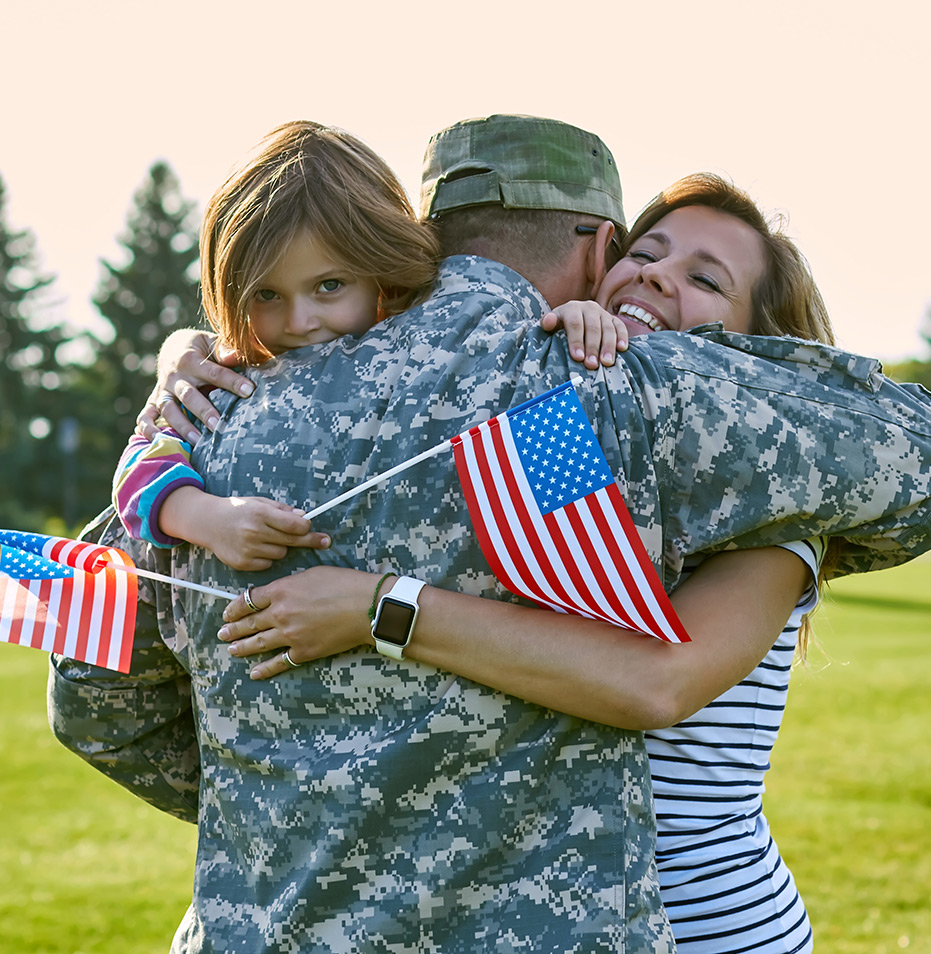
pixel 315 613
pixel 593 334
pixel 246 533
pixel 258 531
pixel 188 361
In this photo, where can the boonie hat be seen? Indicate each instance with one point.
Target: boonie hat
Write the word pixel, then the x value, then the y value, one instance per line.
pixel 521 162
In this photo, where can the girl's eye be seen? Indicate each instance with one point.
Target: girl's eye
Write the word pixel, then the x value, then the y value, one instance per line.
pixel 266 294
pixel 331 285
pixel 642 255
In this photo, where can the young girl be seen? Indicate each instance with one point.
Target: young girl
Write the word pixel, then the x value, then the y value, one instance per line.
pixel 312 237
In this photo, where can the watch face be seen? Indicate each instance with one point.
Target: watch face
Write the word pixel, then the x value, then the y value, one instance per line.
pixel 394 621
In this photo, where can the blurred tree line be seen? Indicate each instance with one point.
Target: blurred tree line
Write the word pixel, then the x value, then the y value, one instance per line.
pixel 63 420
pixel 66 411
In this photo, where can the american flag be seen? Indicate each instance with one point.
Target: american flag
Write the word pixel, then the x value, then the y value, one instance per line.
pixel 64 597
pixel 550 518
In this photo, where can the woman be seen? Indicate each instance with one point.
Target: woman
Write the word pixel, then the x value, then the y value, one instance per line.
pixel 700 252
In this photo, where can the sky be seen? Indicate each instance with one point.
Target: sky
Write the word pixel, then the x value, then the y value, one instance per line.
pixel 820 110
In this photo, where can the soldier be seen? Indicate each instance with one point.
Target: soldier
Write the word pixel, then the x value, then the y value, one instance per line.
pixel 370 803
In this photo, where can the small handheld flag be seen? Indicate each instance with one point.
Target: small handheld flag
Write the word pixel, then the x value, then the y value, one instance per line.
pixel 63 596
pixel 551 520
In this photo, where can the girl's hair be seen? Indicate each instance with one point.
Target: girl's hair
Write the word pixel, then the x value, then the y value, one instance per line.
pixel 305 176
pixel 786 300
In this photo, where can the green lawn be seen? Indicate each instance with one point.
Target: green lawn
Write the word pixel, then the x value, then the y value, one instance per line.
pixel 849 796
pixel 89 869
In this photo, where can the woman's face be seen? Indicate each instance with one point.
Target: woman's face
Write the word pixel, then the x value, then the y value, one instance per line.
pixel 695 265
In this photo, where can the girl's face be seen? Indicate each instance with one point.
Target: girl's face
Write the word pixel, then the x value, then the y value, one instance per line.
pixel 307 298
pixel 695 265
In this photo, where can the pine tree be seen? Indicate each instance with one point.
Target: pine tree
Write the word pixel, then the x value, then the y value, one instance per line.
pixel 145 299
pixel 30 393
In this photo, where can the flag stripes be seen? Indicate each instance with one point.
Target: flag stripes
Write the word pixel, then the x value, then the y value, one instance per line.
pixel 583 556
pixel 63 596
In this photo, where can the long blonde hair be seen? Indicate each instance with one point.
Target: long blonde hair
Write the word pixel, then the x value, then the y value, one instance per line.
pixel 306 176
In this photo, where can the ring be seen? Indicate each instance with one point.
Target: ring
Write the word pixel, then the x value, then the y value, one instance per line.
pixel 290 661
pixel 166 397
pixel 247 596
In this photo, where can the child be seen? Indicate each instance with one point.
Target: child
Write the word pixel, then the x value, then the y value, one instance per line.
pixel 309 239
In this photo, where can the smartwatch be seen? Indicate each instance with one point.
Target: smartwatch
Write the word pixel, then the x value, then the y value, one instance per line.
pixel 395 617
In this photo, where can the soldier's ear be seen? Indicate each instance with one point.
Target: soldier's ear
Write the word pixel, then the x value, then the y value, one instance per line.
pixel 596 261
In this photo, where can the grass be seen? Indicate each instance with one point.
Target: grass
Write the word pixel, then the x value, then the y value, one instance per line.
pixel 90 870
pixel 849 795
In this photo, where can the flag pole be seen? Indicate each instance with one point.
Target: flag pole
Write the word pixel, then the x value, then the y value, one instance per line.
pixel 575 380
pixel 378 478
pixel 174 581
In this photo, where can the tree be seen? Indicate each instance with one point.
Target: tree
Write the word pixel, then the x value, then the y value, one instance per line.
pixel 144 299
pixel 31 397
pixel 916 369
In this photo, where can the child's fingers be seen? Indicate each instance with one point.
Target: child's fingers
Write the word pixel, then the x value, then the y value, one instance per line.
pixel 290 528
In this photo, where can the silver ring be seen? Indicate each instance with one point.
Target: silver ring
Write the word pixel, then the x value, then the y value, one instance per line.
pixel 247 596
pixel 290 661
pixel 166 397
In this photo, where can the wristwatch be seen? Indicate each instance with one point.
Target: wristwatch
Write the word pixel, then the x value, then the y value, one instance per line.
pixel 395 617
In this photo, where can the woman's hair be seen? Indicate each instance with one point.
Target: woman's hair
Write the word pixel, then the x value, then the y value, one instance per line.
pixel 785 300
pixel 305 176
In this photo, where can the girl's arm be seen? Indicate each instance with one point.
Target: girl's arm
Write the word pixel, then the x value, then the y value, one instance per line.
pixel 734 606
pixel 246 533
pixel 160 498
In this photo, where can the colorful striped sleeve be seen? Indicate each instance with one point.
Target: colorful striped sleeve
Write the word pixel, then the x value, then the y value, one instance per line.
pixel 146 474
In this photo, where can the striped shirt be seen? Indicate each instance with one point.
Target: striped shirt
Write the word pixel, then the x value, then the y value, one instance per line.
pixel 145 476
pixel 725 887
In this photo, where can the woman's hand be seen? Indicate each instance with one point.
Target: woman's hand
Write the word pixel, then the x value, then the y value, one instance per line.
pixel 188 361
pixel 315 613
pixel 593 334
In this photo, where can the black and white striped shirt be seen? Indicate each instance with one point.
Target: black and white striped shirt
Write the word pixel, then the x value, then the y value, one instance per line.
pixel 724 884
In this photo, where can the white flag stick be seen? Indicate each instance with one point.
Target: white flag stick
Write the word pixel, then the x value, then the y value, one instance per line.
pixel 378 478
pixel 575 380
pixel 209 590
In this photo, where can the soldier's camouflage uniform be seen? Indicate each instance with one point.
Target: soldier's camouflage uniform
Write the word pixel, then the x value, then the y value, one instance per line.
pixel 361 804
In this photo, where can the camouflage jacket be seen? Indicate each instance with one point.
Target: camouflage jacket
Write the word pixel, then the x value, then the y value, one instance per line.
pixel 360 804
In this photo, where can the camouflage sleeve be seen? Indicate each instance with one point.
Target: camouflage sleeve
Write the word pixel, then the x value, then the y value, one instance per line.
pixel 137 728
pixel 771 439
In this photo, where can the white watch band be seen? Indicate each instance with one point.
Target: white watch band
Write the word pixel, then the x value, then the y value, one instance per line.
pixel 405 592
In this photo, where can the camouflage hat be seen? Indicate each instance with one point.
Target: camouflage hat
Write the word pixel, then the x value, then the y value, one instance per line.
pixel 522 162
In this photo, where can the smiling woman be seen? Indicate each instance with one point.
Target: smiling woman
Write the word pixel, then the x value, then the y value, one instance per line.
pixel 703 251
pixel 697 265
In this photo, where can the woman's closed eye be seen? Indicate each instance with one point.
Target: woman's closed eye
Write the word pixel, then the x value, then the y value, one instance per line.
pixel 642 255
pixel 708 282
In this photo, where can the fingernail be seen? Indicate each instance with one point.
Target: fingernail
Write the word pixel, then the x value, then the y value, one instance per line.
pixel 255 674
pixel 193 437
pixel 324 542
pixel 246 389
pixel 212 422
pixel 223 632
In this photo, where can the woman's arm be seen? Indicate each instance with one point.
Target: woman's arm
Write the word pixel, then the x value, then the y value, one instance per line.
pixel 734 606
pixel 187 361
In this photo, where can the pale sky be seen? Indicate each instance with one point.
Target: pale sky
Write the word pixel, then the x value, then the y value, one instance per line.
pixel 819 109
